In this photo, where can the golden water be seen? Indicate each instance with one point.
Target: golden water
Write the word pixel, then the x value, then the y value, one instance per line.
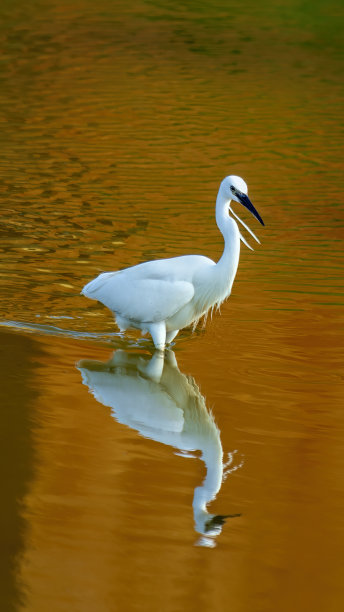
pixel 118 122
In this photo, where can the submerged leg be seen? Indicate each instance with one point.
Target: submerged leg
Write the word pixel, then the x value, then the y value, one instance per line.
pixel 170 359
pixel 170 335
pixel 158 333
pixel 122 323
pixel 155 366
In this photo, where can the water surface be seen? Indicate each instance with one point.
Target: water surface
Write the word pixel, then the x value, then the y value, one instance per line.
pixel 118 122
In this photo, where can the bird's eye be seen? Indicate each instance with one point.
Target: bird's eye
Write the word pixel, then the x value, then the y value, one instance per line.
pixel 233 190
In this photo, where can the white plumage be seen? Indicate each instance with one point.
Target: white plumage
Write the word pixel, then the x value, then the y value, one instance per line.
pixel 163 296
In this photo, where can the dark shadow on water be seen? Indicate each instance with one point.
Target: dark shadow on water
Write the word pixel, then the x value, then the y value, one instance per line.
pixel 16 458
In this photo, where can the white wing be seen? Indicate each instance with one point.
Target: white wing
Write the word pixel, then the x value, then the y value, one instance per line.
pixel 137 402
pixel 143 300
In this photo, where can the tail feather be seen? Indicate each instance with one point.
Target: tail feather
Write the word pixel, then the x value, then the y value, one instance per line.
pixel 90 290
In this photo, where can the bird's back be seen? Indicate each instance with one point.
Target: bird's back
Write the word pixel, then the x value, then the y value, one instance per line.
pixel 151 291
pixel 173 269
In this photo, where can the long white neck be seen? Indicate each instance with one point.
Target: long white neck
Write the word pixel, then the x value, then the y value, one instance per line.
pixel 228 263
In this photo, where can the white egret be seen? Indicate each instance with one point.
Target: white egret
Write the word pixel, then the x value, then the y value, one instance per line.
pixel 154 398
pixel 163 296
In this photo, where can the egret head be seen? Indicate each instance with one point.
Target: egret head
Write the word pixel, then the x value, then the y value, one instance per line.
pixel 234 188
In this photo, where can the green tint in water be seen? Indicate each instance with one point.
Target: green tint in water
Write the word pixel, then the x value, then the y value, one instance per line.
pixel 118 122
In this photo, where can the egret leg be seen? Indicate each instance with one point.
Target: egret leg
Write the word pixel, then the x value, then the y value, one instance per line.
pixel 158 333
pixel 122 323
pixel 155 366
pixel 170 358
pixel 170 335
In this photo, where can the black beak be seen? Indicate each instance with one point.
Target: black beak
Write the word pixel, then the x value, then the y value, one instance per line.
pixel 245 201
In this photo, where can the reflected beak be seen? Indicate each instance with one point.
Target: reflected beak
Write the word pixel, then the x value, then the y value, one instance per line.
pixel 218 520
pixel 245 201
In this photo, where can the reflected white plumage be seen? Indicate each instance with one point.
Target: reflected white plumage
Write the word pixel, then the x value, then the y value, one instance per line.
pixel 163 296
pixel 154 398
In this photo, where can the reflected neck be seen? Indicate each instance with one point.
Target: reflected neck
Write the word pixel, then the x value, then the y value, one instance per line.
pixel 212 456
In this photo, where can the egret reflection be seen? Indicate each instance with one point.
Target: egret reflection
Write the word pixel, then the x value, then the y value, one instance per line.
pixel 151 395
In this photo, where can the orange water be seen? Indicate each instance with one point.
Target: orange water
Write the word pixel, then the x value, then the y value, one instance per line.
pixel 119 121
